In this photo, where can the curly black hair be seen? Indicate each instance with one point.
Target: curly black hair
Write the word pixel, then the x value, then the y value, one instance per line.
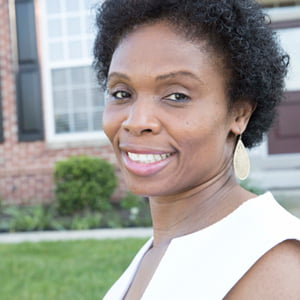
pixel 236 29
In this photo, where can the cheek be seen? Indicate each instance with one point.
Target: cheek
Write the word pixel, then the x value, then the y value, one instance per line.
pixel 110 124
pixel 204 131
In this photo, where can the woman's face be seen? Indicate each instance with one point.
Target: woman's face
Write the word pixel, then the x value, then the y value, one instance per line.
pixel 167 113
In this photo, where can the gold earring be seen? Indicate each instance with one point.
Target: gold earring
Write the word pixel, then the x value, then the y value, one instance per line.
pixel 241 162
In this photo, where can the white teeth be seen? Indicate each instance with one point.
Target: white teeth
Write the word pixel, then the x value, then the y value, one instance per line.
pixel 147 158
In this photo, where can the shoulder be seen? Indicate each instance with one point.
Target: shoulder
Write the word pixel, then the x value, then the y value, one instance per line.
pixel 274 276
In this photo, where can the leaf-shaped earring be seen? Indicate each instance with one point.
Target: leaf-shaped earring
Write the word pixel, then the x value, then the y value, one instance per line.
pixel 241 162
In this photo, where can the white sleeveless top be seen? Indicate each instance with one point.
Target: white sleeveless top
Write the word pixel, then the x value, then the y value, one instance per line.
pixel 207 264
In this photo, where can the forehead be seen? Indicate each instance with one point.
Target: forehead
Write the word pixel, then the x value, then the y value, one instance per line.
pixel 160 46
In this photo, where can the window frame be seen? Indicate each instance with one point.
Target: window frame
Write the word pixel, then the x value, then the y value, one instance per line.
pixel 53 139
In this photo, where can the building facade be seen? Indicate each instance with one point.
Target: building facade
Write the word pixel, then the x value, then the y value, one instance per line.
pixel 276 163
pixel 51 105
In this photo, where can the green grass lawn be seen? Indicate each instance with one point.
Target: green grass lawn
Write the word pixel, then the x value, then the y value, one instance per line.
pixel 63 270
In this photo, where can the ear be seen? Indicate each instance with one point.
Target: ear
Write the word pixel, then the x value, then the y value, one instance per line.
pixel 241 113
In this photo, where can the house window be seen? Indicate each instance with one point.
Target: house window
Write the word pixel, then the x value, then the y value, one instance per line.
pixel 74 101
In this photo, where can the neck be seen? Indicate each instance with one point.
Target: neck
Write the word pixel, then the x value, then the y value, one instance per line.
pixel 192 210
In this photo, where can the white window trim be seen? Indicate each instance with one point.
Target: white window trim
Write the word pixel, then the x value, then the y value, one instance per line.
pixel 279 14
pixel 53 140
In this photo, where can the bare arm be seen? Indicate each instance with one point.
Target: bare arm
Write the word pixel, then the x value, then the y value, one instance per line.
pixel 275 276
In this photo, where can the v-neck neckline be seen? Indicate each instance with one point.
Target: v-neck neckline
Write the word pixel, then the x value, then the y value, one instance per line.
pixel 148 245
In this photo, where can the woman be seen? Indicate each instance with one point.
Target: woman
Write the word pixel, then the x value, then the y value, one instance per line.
pixel 188 82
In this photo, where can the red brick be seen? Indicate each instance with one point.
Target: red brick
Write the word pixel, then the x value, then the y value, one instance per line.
pixel 26 173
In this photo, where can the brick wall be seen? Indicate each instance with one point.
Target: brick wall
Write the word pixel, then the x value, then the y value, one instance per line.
pixel 26 169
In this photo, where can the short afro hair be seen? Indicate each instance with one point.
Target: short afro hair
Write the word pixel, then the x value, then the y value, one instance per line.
pixel 236 29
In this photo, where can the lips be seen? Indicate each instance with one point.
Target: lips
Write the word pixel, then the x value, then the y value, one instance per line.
pixel 145 163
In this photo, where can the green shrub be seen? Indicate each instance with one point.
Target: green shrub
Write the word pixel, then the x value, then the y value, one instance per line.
pixel 87 221
pixel 252 187
pixel 137 210
pixel 83 183
pixel 131 200
pixel 28 218
pixel 112 219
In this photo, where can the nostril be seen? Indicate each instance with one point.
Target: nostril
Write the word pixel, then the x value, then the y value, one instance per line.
pixel 146 130
pixel 141 125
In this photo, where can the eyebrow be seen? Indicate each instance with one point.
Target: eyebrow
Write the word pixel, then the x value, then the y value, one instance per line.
pixel 162 77
pixel 173 75
pixel 117 75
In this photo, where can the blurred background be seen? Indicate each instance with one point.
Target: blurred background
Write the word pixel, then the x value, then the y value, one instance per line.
pixel 276 162
pixel 51 106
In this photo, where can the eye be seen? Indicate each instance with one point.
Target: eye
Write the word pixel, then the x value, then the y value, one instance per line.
pixel 178 97
pixel 119 95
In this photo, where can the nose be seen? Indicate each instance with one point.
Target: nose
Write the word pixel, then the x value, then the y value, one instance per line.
pixel 142 119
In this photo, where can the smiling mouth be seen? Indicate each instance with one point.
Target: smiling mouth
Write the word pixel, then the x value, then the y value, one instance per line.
pixel 147 158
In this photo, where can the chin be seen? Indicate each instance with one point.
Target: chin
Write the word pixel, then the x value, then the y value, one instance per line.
pixel 141 191
pixel 149 191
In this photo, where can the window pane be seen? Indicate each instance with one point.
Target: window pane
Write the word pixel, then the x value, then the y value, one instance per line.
pixel 72 5
pixel 92 78
pixel 75 50
pixel 89 25
pixel 79 97
pixel 97 120
pixel 54 28
pixel 73 26
pixel 89 4
pixel 60 99
pixel 62 123
pixel 90 46
pixel 78 75
pixel 59 77
pixel 98 98
pixel 53 6
pixel 81 122
pixel 56 51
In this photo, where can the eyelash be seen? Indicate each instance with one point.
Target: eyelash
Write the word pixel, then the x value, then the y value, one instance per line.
pixel 125 95
pixel 183 97
pixel 179 97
